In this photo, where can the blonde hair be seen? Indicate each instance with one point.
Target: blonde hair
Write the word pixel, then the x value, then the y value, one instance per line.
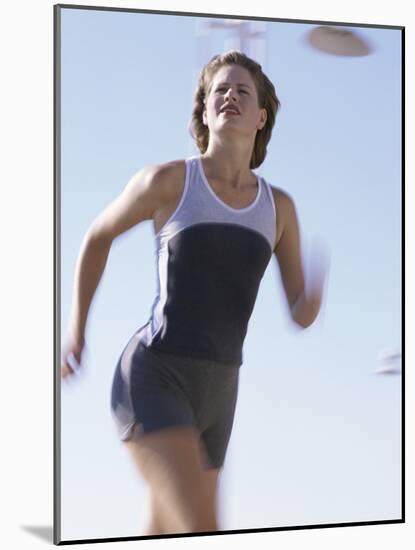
pixel 267 99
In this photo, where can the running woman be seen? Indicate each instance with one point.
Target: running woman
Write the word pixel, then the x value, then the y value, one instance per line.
pixel 217 225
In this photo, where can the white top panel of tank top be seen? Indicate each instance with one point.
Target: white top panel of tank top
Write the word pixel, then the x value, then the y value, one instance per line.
pixel 200 204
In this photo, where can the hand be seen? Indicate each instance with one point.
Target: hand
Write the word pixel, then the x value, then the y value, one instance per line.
pixel 71 358
pixel 317 271
pixel 307 306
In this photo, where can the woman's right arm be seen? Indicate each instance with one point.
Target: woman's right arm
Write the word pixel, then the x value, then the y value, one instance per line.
pixel 138 202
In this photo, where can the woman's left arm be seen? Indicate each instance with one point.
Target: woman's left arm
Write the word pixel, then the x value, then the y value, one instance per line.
pixel 304 291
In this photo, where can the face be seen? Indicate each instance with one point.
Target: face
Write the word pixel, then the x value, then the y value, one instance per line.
pixel 233 85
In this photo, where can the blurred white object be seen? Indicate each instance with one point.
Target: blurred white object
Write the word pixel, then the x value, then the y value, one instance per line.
pixel 73 363
pixel 390 360
pixel 317 266
pixel 337 41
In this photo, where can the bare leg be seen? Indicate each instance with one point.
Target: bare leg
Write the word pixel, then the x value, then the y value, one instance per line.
pixel 182 492
pixel 154 524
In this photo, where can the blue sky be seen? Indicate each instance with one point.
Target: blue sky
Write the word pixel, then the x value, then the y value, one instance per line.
pixel 316 437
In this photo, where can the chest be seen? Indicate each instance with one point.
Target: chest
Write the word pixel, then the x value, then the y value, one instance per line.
pixel 234 197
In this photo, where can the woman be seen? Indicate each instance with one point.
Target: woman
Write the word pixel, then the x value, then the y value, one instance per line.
pixel 217 225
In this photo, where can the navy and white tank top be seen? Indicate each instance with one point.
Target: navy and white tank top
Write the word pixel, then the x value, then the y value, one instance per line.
pixel 210 262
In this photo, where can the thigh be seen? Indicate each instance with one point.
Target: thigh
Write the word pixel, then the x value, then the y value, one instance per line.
pixel 211 477
pixel 173 463
pixel 207 393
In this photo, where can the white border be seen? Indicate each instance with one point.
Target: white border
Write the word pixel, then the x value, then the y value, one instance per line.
pixel 27 274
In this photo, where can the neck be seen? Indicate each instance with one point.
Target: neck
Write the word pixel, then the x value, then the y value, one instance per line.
pixel 228 164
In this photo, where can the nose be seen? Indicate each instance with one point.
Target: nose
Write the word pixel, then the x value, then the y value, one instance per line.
pixel 231 94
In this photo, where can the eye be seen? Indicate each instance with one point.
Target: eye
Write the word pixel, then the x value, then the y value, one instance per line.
pixel 240 91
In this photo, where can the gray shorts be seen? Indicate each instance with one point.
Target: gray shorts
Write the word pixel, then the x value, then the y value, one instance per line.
pixel 157 390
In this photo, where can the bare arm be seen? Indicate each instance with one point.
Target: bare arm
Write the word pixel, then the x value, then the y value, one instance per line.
pixel 88 272
pixel 137 202
pixel 304 295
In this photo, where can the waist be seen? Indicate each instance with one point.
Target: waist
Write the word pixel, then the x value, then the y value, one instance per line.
pixel 223 345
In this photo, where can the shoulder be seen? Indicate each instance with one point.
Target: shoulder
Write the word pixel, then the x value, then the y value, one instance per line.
pixel 284 206
pixel 157 184
pixel 282 198
pixel 171 168
pixel 168 178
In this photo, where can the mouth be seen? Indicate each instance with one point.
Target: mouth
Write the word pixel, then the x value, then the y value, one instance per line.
pixel 229 112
